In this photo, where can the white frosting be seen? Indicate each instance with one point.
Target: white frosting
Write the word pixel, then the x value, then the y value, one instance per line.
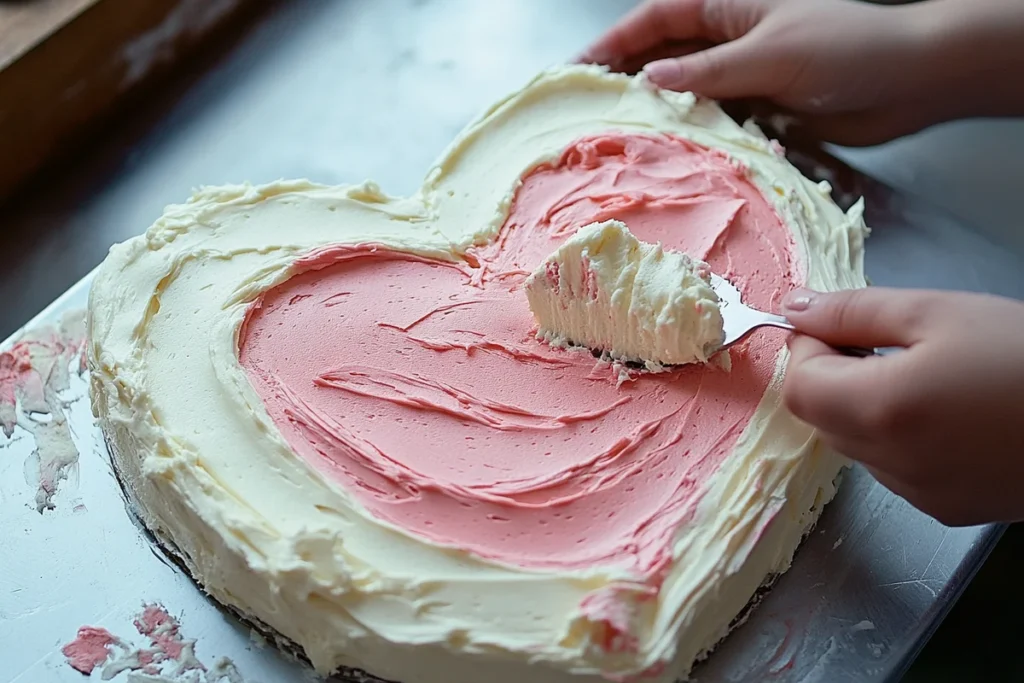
pixel 266 533
pixel 606 290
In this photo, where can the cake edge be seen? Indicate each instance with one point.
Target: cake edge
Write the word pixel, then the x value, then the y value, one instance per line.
pixel 168 552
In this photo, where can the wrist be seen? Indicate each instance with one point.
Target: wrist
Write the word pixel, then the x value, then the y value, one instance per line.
pixel 970 56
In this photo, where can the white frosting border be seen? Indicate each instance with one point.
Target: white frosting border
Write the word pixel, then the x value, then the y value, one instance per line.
pixel 265 533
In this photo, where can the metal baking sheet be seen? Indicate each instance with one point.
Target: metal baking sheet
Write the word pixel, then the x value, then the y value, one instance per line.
pixel 865 591
pixel 867 587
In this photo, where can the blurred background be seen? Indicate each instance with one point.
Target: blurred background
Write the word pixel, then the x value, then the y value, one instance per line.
pixel 111 109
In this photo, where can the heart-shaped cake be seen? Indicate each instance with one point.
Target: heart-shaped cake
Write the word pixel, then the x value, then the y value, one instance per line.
pixel 333 406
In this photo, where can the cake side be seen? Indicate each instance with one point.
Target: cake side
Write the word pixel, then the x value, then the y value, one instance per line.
pixel 164 545
pixel 277 539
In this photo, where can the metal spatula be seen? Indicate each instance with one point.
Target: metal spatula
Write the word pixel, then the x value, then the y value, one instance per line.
pixel 740 320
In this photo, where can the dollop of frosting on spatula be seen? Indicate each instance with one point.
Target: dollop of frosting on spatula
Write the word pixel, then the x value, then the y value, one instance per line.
pixel 629 300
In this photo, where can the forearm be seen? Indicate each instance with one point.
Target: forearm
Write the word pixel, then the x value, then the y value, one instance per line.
pixel 974 55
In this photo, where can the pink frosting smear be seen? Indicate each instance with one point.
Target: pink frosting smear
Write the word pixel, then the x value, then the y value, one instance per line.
pixel 33 373
pixel 168 657
pixel 89 649
pixel 419 386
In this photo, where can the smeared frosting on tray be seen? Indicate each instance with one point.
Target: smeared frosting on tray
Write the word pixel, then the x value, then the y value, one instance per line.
pixel 167 656
pixel 34 373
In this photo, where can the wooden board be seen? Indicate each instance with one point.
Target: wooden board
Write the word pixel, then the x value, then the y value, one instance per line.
pixel 66 63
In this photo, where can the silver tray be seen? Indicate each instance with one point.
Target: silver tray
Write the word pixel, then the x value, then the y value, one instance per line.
pixel 866 589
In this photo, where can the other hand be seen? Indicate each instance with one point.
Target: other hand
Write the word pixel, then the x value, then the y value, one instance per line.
pixel 850 72
pixel 940 422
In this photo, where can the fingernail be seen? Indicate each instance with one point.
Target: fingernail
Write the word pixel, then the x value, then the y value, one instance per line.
pixel 798 300
pixel 664 72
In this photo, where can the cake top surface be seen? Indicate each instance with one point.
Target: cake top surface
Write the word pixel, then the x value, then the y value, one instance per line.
pixel 343 391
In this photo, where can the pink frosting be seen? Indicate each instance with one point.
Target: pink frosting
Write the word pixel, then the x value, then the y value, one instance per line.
pixel 418 385
pixel 33 372
pixel 89 649
pixel 19 378
pixel 167 649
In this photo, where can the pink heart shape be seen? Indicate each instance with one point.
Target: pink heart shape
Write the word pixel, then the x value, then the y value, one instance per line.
pixel 418 386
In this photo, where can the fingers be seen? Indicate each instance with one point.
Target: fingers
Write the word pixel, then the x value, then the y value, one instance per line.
pixel 645 27
pixel 871 317
pixel 737 68
pixel 832 392
pixel 852 398
pixel 728 71
pixel 636 63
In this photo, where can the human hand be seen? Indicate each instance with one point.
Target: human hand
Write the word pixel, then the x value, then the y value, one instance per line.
pixel 939 422
pixel 848 72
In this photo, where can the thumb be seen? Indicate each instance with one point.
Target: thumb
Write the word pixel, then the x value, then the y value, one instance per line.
pixel 871 317
pixel 728 71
